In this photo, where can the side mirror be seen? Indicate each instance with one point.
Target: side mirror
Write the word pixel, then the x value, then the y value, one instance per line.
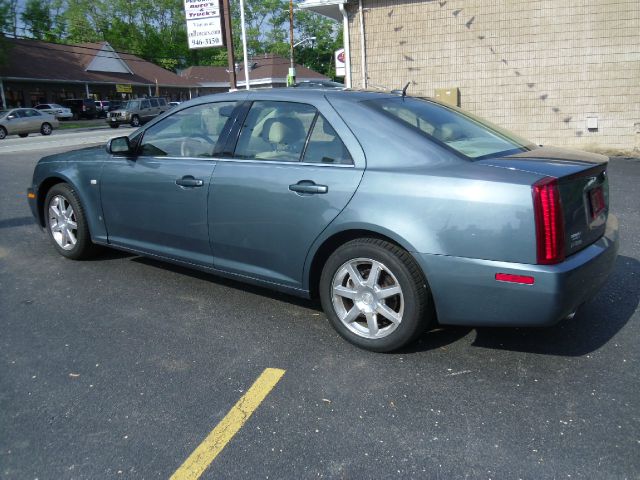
pixel 119 146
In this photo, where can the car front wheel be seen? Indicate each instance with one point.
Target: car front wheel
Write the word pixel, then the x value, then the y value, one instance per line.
pixel 46 129
pixel 3 133
pixel 375 295
pixel 67 224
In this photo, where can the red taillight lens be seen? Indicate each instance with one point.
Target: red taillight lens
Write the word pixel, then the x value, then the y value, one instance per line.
pixel 549 221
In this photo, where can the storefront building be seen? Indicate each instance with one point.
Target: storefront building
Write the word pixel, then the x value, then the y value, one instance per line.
pixel 42 72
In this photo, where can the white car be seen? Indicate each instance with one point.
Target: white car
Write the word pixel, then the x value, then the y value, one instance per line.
pixel 58 111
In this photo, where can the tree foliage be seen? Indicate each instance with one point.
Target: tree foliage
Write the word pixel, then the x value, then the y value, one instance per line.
pixel 156 30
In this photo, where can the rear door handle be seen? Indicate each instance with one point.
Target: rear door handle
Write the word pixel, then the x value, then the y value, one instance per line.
pixel 309 187
pixel 189 181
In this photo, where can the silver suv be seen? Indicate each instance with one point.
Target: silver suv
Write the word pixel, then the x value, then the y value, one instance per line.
pixel 136 112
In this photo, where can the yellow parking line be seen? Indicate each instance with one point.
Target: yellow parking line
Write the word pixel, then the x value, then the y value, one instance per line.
pixel 208 450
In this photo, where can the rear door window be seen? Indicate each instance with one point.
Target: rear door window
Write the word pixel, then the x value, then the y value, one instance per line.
pixel 275 131
pixel 325 146
pixel 154 102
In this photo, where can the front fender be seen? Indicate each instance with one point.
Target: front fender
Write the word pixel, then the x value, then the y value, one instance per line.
pixel 84 177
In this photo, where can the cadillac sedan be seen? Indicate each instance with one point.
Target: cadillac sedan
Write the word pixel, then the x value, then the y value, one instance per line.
pixel 396 212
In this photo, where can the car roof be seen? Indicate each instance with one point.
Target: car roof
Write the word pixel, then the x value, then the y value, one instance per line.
pixel 294 94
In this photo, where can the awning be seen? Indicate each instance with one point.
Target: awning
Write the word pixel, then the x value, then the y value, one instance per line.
pixel 326 8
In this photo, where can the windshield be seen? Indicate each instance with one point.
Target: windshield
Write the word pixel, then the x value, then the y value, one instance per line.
pixel 131 105
pixel 458 130
pixel 55 105
pixel 3 113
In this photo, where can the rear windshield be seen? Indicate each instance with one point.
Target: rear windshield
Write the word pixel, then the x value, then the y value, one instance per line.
pixel 457 130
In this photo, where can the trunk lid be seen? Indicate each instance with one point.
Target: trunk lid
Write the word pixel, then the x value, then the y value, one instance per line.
pixel 583 187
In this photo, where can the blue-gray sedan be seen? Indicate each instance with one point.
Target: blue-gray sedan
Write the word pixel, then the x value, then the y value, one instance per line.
pixel 396 212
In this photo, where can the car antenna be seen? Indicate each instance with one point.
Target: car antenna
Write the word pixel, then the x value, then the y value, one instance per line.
pixel 404 90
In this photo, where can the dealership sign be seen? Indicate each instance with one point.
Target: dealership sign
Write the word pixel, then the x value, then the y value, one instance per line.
pixel 204 23
pixel 340 63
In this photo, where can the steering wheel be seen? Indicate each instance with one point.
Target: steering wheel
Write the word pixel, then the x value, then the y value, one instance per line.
pixel 196 145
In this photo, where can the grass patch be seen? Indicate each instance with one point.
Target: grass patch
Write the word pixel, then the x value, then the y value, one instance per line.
pixel 71 124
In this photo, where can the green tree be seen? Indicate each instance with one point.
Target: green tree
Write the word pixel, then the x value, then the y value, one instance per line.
pixel 36 17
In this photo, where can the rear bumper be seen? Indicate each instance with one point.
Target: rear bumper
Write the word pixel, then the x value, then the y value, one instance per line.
pixel 118 121
pixel 466 293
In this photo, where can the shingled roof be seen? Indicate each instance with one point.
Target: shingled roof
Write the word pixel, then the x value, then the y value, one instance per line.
pixel 36 60
pixel 263 69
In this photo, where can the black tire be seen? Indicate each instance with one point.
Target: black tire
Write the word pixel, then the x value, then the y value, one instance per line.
pixel 3 133
pixel 413 303
pixel 135 121
pixel 114 125
pixel 75 117
pixel 84 248
pixel 46 129
pixel 23 135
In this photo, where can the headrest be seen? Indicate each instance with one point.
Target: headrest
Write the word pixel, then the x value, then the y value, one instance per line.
pixel 279 132
pixel 450 132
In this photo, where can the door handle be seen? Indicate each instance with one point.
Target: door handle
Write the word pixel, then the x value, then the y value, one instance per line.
pixel 309 187
pixel 189 181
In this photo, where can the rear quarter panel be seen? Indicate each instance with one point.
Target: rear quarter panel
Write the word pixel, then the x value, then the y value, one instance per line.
pixel 464 211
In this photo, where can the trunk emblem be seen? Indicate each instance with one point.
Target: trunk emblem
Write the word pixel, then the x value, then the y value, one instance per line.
pixel 576 239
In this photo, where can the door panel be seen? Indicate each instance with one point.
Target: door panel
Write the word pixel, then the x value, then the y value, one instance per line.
pixel 145 209
pixel 266 208
pixel 157 201
pixel 261 228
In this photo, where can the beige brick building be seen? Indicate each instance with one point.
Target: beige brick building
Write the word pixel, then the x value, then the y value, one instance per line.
pixel 546 69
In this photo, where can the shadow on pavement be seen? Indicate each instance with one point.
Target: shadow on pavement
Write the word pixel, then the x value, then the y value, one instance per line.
pixel 17 222
pixel 593 326
pixel 210 277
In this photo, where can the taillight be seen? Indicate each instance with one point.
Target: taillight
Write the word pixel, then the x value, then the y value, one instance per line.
pixel 549 221
pixel 84 108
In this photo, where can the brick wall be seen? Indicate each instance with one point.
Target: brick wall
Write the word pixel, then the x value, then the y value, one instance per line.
pixel 536 67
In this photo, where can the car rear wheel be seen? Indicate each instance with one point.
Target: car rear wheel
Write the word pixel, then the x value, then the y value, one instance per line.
pixel 375 295
pixel 66 223
pixel 23 135
pixel 135 121
pixel 46 129
pixel 3 133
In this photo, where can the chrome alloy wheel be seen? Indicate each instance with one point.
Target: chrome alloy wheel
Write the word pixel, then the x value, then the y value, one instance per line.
pixel 367 298
pixel 62 222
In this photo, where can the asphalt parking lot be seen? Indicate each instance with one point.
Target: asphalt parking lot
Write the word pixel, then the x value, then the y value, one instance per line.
pixel 121 366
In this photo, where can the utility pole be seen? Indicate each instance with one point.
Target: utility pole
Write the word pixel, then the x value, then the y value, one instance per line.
pixel 291 78
pixel 229 39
